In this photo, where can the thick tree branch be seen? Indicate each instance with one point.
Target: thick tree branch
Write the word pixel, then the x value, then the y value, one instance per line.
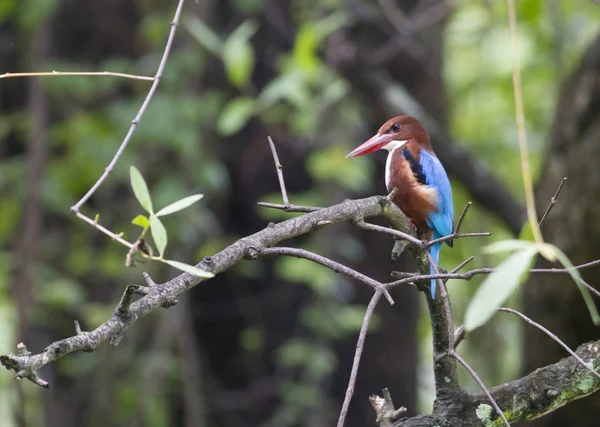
pixel 542 391
pixel 163 295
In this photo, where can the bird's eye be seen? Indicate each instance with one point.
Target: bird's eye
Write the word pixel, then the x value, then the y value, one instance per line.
pixel 396 127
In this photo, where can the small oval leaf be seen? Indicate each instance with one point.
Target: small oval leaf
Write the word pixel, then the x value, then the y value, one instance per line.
pixel 140 189
pixel 189 268
pixel 497 287
pixel 141 221
pixel 179 205
pixel 159 234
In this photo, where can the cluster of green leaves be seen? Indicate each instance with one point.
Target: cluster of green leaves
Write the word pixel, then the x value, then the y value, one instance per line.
pixel 304 83
pixel 155 225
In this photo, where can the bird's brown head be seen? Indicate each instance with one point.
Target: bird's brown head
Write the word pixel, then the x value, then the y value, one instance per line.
pixel 394 133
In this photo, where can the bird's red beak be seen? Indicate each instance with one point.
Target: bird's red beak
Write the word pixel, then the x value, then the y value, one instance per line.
pixel 373 144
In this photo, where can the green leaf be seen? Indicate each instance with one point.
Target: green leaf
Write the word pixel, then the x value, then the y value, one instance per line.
pixel 510 245
pixel 235 115
pixel 179 205
pixel 576 275
pixel 238 55
pixel 159 234
pixel 141 221
pixel 205 35
pixel 140 189
pixel 497 287
pixel 189 268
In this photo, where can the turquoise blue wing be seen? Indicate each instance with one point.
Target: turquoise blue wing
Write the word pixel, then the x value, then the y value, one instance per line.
pixel 442 221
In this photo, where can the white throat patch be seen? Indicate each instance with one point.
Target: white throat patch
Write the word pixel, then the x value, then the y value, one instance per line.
pixel 391 147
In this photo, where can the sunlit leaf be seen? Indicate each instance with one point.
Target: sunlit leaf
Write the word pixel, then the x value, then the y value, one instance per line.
pixel 497 287
pixel 189 268
pixel 507 246
pixel 141 221
pixel 235 115
pixel 179 205
pixel 159 234
pixel 576 275
pixel 140 189
pixel 238 55
pixel 205 35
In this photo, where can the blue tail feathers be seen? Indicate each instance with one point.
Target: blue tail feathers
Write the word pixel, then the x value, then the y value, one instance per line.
pixel 435 255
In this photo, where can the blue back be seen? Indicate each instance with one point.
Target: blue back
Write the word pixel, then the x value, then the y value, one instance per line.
pixel 442 222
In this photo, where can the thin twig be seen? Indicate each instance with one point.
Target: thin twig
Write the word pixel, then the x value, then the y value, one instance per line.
pixel 462 264
pixel 461 218
pixel 368 226
pixel 104 230
pixel 142 110
pixel 552 202
pixel 279 169
pixel 289 208
pixel 551 335
pixel 357 355
pixel 472 372
pixel 76 73
pixel 456 236
pixel 590 287
pixel 329 263
pixel 459 335
pixel 401 274
pixel 470 274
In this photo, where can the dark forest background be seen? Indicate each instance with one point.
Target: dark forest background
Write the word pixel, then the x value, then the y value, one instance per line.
pixel 271 343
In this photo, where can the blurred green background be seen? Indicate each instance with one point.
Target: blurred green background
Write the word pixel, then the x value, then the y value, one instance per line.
pixel 270 343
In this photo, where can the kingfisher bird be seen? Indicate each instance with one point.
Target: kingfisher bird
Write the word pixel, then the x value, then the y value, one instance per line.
pixel 423 192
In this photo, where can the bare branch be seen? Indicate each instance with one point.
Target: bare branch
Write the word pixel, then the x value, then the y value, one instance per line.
pixel 104 230
pixel 77 73
pixel 396 233
pixel 138 117
pixel 289 208
pixel 462 264
pixel 461 218
pixel 165 294
pixel 590 287
pixel 455 236
pixel 552 202
pixel 279 169
pixel 470 274
pixel 459 335
pixel 470 370
pixel 357 355
pixel 329 263
pixel 551 335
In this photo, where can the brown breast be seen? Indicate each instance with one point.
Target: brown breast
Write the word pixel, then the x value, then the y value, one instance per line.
pixel 416 200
